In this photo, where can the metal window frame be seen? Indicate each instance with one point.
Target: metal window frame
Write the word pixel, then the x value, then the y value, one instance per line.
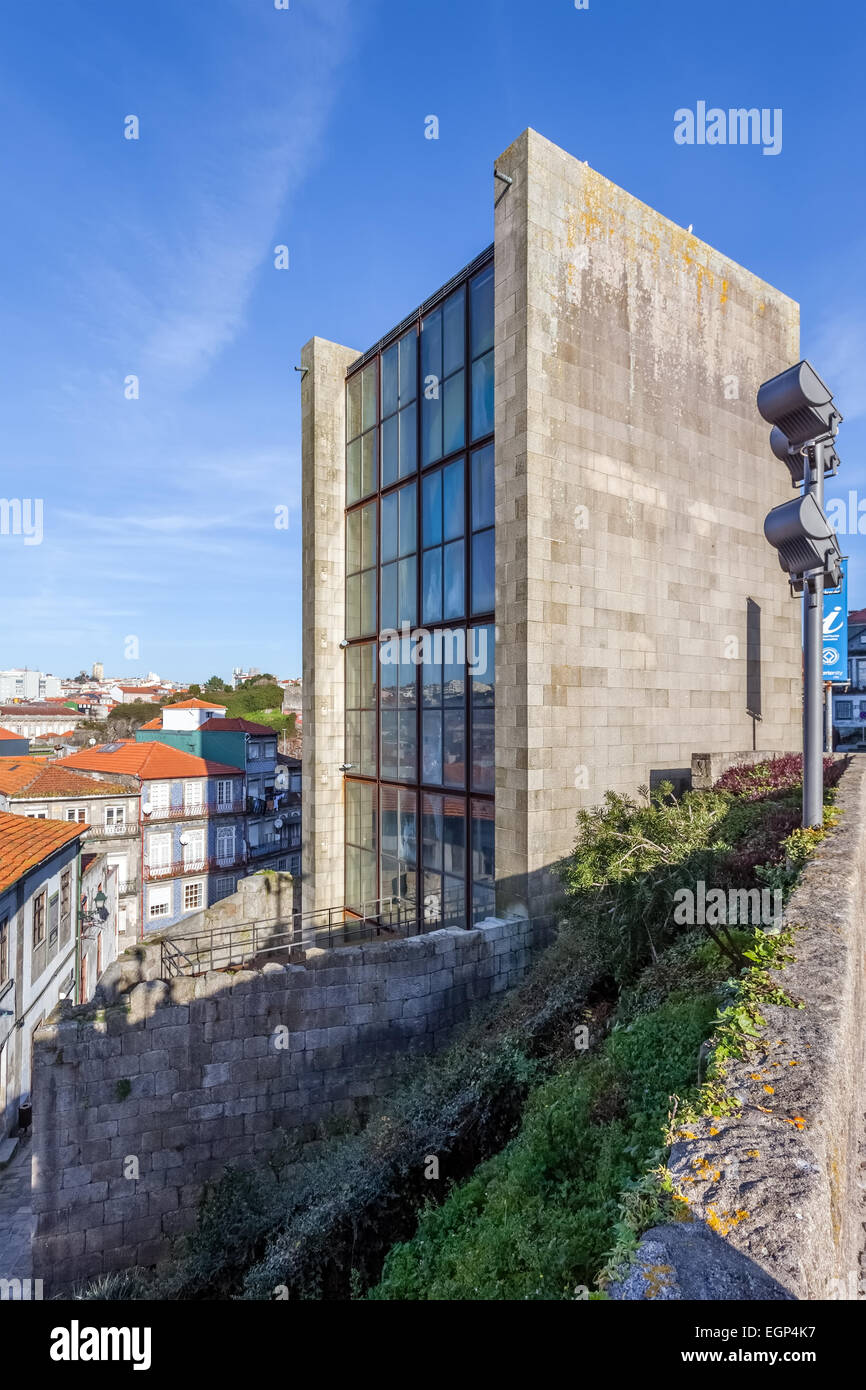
pixel 417 786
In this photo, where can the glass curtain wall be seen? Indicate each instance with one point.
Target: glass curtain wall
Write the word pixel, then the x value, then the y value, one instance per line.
pixel 420 567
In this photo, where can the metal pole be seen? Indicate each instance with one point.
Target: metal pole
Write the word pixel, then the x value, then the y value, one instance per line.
pixel 813 631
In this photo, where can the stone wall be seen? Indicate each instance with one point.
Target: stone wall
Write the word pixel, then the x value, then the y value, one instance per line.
pixel 141 1100
pixel 775 1192
pixel 640 613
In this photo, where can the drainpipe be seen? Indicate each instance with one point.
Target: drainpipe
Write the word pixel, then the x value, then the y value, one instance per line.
pixel 78 887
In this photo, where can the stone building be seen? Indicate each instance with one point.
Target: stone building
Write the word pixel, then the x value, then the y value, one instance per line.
pixel 584 390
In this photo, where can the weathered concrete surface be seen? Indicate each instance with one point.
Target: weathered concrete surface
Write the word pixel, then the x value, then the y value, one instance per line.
pixel 780 1181
pixel 689 1261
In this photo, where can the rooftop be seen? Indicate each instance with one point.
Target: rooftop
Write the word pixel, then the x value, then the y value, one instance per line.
pixel 194 704
pixel 26 842
pixel 149 761
pixel 52 781
pixel 16 773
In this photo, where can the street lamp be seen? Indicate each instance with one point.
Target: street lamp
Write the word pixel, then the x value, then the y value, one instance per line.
pixel 799 406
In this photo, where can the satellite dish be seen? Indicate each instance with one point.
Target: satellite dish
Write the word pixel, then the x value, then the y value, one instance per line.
pixel 278 823
pixel 184 839
pixel 146 807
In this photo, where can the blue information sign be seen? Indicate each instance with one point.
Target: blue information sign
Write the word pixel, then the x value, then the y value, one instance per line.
pixel 836 631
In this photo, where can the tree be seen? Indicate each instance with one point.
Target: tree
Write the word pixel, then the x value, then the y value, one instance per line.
pixel 215 685
pixel 194 692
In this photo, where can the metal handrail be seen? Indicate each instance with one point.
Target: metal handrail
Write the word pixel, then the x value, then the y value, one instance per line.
pixel 237 943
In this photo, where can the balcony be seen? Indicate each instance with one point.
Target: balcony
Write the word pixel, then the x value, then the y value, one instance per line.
pixel 271 844
pixel 179 867
pixel 98 831
pixel 127 889
pixel 199 810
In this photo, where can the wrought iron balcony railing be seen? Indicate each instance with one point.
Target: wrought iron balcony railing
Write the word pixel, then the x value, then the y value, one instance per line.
pixel 179 867
pixel 198 810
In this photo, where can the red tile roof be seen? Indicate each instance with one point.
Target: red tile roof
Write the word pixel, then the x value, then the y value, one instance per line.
pixel 4 733
pixel 53 780
pixel 25 842
pixel 194 704
pixel 235 726
pixel 149 761
pixel 19 772
pixel 153 723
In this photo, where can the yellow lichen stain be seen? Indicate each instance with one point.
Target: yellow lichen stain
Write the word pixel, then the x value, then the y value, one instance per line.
pixel 723 297
pixel 713 1129
pixel 707 1174
pixel 658 1278
pixel 771 1090
pixel 753 1153
pixel 761 307
pixel 725 1223
pixel 755 1075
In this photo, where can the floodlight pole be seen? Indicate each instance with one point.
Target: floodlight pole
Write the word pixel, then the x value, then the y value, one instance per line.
pixel 813 663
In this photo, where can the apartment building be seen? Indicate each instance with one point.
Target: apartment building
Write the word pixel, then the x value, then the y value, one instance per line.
pixel 39 893
pixel 192 824
pixel 107 812
pixel 549 480
pixel 19 683
pixel 272 817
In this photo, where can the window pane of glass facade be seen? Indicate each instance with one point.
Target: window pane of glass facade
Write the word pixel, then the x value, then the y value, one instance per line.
pixel 390 450
pixel 482 396
pixel 482 488
pixel 481 298
pixel 431 520
pixel 431 580
pixel 453 429
pixel 453 501
pixel 453 332
pixel 368 396
pixel 482 572
pixel 454 604
pixel 482 860
pixel 408 422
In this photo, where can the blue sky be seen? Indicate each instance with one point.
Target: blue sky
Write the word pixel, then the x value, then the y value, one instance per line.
pixel 305 127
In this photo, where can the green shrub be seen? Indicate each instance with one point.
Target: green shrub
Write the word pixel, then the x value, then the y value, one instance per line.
pixel 536 1221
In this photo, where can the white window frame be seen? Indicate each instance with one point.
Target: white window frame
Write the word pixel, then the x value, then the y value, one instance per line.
pixel 225 792
pixel 159 841
pixel 226 833
pixel 198 885
pixel 196 852
pixel 270 750
pixel 115 816
pixel 193 795
pixel 159 899
pixel 159 795
pixel 77 814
